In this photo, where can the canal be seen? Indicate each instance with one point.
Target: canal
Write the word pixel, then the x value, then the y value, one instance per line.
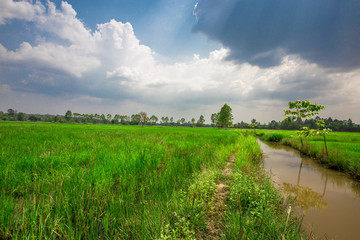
pixel 329 200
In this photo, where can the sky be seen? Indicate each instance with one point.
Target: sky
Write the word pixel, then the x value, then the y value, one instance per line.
pixel 180 58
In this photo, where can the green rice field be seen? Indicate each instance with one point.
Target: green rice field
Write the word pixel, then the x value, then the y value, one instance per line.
pixel 73 181
pixel 343 147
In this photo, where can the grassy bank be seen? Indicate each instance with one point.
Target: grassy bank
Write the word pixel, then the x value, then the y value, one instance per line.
pixel 255 209
pixel 92 181
pixel 343 147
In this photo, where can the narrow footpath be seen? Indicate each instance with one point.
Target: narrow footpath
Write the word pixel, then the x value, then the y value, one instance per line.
pixel 215 224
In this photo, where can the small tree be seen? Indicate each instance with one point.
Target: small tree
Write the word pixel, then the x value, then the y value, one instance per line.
pixel 225 116
pixel 22 116
pixel 302 109
pixel 214 118
pixel 135 119
pixel 201 121
pixel 154 119
pixel 182 121
pixel 68 116
pixel 193 122
pixel 322 131
pixel 253 125
pixel 172 121
pixel 108 117
pixel 143 118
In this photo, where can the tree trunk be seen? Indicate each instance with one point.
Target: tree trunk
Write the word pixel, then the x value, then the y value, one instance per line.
pixel 327 154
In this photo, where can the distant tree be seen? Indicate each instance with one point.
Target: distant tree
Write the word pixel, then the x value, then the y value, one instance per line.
pixel 193 122
pixel 214 118
pixel 201 121
pixel 96 118
pixel 108 117
pixel 273 124
pixel 68 116
pixel 33 118
pixel 253 120
pixel 11 112
pixel 103 118
pixel 182 121
pixel 311 123
pixel 253 125
pixel 302 109
pixel 135 119
pixel 154 119
pixel 57 118
pixel 22 116
pixel 165 120
pixel 116 119
pixel 124 119
pixel 225 116
pixel 172 121
pixel 143 118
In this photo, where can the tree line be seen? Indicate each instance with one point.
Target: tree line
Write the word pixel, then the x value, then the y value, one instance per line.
pixel 222 119
pixel 334 124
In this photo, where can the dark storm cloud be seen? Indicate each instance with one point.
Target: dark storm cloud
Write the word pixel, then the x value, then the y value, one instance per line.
pixel 261 32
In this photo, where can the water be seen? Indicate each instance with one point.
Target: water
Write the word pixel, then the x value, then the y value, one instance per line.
pixel 330 200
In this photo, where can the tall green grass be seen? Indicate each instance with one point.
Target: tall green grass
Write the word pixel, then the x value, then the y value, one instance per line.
pixel 91 181
pixel 116 182
pixel 343 147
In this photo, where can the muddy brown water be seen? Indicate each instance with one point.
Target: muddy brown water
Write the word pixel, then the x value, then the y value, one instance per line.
pixel 329 200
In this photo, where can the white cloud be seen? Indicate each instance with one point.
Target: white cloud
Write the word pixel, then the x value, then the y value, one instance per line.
pixel 19 10
pixel 50 56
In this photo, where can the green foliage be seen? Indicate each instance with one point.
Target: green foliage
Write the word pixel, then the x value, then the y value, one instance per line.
pixel 143 118
pixel 225 116
pixel 322 131
pixel 68 115
pixel 254 125
pixel 191 214
pixel 214 118
pixel 247 195
pixel 22 116
pixel 302 109
pixel 201 121
pixel 272 137
pixel 304 132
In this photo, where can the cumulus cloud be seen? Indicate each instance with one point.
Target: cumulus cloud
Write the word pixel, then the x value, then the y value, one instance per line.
pixel 262 32
pixel 50 56
pixel 10 9
pixel 112 45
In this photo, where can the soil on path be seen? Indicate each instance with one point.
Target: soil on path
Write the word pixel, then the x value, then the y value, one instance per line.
pixel 215 224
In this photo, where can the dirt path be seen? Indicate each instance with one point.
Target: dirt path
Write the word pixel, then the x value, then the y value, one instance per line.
pixel 219 204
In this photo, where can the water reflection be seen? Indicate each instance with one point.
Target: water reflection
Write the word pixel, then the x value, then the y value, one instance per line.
pixel 330 199
pixel 305 196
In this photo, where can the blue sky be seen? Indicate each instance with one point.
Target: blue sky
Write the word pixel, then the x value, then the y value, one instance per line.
pixel 180 58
